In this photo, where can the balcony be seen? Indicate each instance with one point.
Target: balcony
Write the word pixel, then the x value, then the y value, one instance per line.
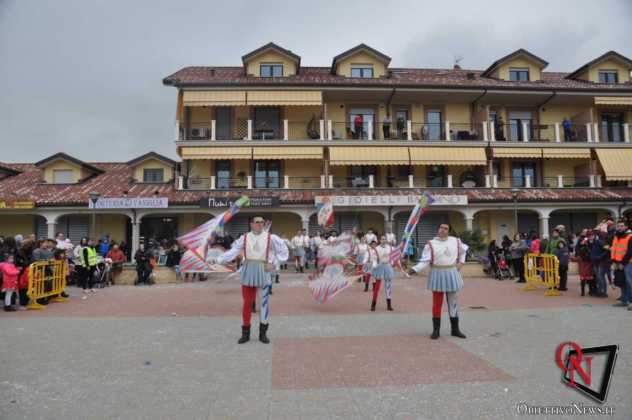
pixel 559 133
pixel 370 182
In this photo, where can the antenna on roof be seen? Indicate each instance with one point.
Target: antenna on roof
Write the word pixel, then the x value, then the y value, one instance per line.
pixel 457 60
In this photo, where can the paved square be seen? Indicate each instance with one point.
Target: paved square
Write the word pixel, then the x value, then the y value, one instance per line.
pixel 171 352
pixel 351 362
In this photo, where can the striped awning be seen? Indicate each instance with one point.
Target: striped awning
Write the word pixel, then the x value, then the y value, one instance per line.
pixel 214 98
pixel 447 156
pixel 565 153
pixel 616 163
pixel 613 101
pixel 281 97
pixel 216 153
pixel 517 152
pixel 368 156
pixel 288 153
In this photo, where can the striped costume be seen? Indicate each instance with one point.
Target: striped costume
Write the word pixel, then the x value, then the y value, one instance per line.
pixel 383 271
pixel 259 250
pixel 443 257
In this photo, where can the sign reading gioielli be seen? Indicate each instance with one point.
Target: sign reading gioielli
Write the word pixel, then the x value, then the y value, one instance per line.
pixel 392 200
pixel 17 204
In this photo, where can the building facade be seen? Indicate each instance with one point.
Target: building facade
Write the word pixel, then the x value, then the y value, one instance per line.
pixel 512 147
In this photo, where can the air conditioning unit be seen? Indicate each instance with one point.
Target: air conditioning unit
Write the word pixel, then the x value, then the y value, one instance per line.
pixel 197 133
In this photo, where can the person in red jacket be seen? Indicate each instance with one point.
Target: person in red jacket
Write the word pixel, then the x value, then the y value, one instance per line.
pixel 118 258
pixel 10 275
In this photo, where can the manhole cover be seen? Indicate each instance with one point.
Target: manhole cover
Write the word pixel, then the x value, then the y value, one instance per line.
pixel 478 307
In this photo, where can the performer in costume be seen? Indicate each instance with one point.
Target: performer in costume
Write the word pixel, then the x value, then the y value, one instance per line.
pixel 361 252
pixel 298 247
pixel 383 271
pixel 369 265
pixel 261 250
pixel 444 254
pixel 390 237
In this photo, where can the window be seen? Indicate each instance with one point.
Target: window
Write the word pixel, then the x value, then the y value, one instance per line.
pixel 434 125
pixel 222 173
pixel 153 175
pixel 435 176
pixel 267 173
pixel 496 170
pixel 271 70
pixel 362 70
pixel 519 75
pixel 519 173
pixel 63 176
pixel 609 76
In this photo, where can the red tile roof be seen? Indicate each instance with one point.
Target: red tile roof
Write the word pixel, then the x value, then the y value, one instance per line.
pixel 117 179
pixel 398 77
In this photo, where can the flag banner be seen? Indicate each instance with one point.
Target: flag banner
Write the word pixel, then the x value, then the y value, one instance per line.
pixel 425 200
pixel 325 214
pixel 330 282
pixel 200 254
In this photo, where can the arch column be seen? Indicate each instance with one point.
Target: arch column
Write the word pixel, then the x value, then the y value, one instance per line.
pixel 468 217
pixel 544 216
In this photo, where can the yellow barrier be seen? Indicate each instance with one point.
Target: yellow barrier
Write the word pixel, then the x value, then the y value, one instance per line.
pixel 542 270
pixel 46 278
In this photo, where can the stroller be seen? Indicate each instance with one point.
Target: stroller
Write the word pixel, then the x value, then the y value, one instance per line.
pixel 103 274
pixel 502 271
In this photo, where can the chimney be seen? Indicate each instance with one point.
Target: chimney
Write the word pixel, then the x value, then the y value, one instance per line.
pixel 457 67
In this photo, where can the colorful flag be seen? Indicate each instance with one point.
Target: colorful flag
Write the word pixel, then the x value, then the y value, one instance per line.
pixel 330 282
pixel 325 213
pixel 420 208
pixel 196 257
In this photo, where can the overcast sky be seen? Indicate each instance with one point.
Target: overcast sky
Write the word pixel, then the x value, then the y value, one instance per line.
pixel 84 76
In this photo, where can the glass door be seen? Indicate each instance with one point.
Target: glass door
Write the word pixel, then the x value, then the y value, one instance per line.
pixel 516 121
pixel 222 173
pixel 267 173
pixel 612 127
pixel 359 121
pixel 267 124
pixel 222 123
pixel 401 118
pixel 434 121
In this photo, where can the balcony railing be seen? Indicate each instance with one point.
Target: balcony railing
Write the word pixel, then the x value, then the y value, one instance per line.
pixel 523 131
pixel 370 182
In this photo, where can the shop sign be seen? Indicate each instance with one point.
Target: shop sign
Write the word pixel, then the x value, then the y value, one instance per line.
pixel 17 204
pixel 220 202
pixel 130 203
pixel 391 200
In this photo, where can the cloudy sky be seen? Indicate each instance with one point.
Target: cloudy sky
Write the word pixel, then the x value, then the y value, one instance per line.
pixel 84 76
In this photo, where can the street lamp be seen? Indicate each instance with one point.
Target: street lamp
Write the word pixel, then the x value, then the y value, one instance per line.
pixel 94 197
pixel 514 195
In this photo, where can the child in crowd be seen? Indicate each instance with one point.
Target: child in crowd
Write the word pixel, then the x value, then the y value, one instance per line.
pixel 562 254
pixel 9 281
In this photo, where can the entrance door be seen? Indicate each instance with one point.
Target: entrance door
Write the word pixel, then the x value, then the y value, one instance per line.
pixel 502 229
pixel 516 120
pixel 401 117
pixel 267 123
pixel 612 127
pixel 435 124
pixel 222 123
pixel 368 117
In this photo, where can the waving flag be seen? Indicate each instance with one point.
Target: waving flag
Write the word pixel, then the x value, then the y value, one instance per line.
pixel 325 212
pixel 420 208
pixel 196 258
pixel 330 282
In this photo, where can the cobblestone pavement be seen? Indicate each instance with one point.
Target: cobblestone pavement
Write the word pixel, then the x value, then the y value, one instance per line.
pixel 170 352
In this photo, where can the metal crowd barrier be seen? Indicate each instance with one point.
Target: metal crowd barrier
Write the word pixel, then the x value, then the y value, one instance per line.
pixel 46 279
pixel 542 270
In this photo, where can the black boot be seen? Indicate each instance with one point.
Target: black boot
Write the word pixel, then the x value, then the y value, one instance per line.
pixel 373 303
pixel 388 305
pixel 366 287
pixel 301 269
pixel 436 326
pixel 454 322
pixel 263 328
pixel 245 335
pixel 583 285
pixel 9 308
pixel 276 279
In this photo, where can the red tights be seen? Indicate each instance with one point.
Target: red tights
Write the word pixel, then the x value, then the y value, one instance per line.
pixel 437 301
pixel 376 289
pixel 249 295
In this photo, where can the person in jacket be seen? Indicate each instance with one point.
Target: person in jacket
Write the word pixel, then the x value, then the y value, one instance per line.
pixel 87 265
pixel 143 268
pixel 118 258
pixel 534 247
pixel 551 245
pixel 582 257
pixel 10 273
pixel 600 259
pixel 561 252
pixel 518 249
pixel 621 254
